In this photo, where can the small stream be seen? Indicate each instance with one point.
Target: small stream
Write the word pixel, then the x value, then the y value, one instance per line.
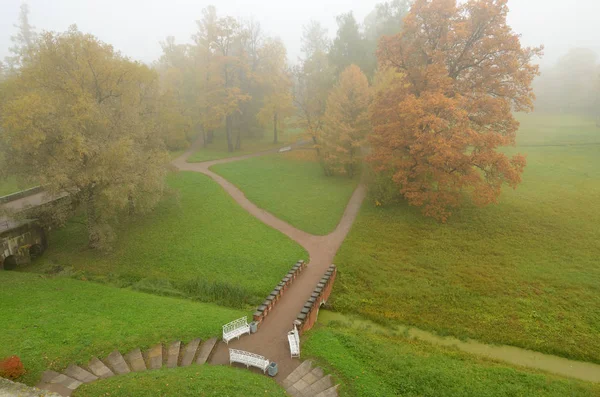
pixel 513 355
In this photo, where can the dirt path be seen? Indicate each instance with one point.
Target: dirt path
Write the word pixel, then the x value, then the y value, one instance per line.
pixel 271 340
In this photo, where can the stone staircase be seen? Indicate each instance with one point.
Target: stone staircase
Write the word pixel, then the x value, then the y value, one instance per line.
pixel 171 356
pixel 306 381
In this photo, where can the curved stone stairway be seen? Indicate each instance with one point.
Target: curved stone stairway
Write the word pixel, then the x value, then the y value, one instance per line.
pixel 171 356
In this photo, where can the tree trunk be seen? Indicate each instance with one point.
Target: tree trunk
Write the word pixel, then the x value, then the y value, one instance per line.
pixel 92 219
pixel 228 132
pixel 238 140
pixel 130 205
pixel 275 128
pixel 204 137
pixel 210 136
pixel 351 164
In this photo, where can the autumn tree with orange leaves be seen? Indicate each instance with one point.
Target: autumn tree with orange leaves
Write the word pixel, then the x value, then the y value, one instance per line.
pixel 346 123
pixel 459 72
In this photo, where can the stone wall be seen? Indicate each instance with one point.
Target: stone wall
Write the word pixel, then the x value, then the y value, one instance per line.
pixel 20 195
pixel 15 242
pixel 309 313
pixel 267 306
pixel 14 389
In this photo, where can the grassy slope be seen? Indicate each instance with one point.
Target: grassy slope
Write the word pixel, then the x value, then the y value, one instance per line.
pixel 524 272
pixel 292 188
pixel 196 381
pixel 8 186
pixel 207 237
pixel 218 149
pixel 52 322
pixel 370 364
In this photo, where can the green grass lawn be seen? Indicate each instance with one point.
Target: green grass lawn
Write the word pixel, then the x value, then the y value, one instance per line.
pixel 52 322
pixel 370 364
pixel 194 381
pixel 218 148
pixel 525 272
pixel 201 244
pixel 293 188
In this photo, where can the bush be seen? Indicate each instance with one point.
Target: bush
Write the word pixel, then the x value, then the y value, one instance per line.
pixel 11 368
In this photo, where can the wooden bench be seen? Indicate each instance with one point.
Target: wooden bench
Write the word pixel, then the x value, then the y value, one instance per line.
pixel 235 329
pixel 248 359
pixel 294 340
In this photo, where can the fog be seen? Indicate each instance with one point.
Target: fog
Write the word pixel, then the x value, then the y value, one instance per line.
pixel 136 26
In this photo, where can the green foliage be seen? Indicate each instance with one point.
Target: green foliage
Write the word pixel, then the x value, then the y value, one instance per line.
pixel 350 47
pixel 524 272
pixel 370 364
pixel 203 234
pixel 52 322
pixel 292 189
pixel 79 118
pixel 194 381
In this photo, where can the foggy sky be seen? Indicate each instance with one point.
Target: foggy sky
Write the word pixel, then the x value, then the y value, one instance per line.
pixel 135 27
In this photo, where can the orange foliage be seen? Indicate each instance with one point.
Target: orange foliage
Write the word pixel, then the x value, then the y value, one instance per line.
pixel 346 122
pixel 11 368
pixel 458 72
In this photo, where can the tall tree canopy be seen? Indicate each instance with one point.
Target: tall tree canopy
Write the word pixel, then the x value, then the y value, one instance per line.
pixel 23 41
pixel 314 77
pixel 274 76
pixel 459 72
pixel 346 123
pixel 349 46
pixel 80 118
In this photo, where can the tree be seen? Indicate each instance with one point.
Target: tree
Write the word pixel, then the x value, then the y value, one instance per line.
pixel 314 39
pixel 346 122
pixel 314 77
pixel 178 95
pixel 80 119
pixel 23 41
pixel 349 47
pixel 459 72
pixel 568 86
pixel 385 20
pixel 276 82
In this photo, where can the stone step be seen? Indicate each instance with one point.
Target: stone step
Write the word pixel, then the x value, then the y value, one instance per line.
pixel 189 352
pixel 136 360
pixel 56 388
pixel 99 369
pixel 313 376
pixel 318 387
pixel 58 383
pixel 331 392
pixel 205 350
pixel 155 357
pixel 117 363
pixel 297 374
pixel 76 372
pixel 173 354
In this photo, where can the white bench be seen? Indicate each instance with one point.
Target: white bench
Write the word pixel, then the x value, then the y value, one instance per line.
pixel 294 340
pixel 235 329
pixel 248 359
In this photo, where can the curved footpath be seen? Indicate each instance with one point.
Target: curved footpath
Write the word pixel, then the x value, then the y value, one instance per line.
pixel 271 340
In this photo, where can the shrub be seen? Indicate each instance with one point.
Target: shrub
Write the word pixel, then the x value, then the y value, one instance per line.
pixel 11 368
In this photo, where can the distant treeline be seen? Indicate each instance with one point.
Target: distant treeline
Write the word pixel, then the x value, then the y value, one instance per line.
pixel 572 85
